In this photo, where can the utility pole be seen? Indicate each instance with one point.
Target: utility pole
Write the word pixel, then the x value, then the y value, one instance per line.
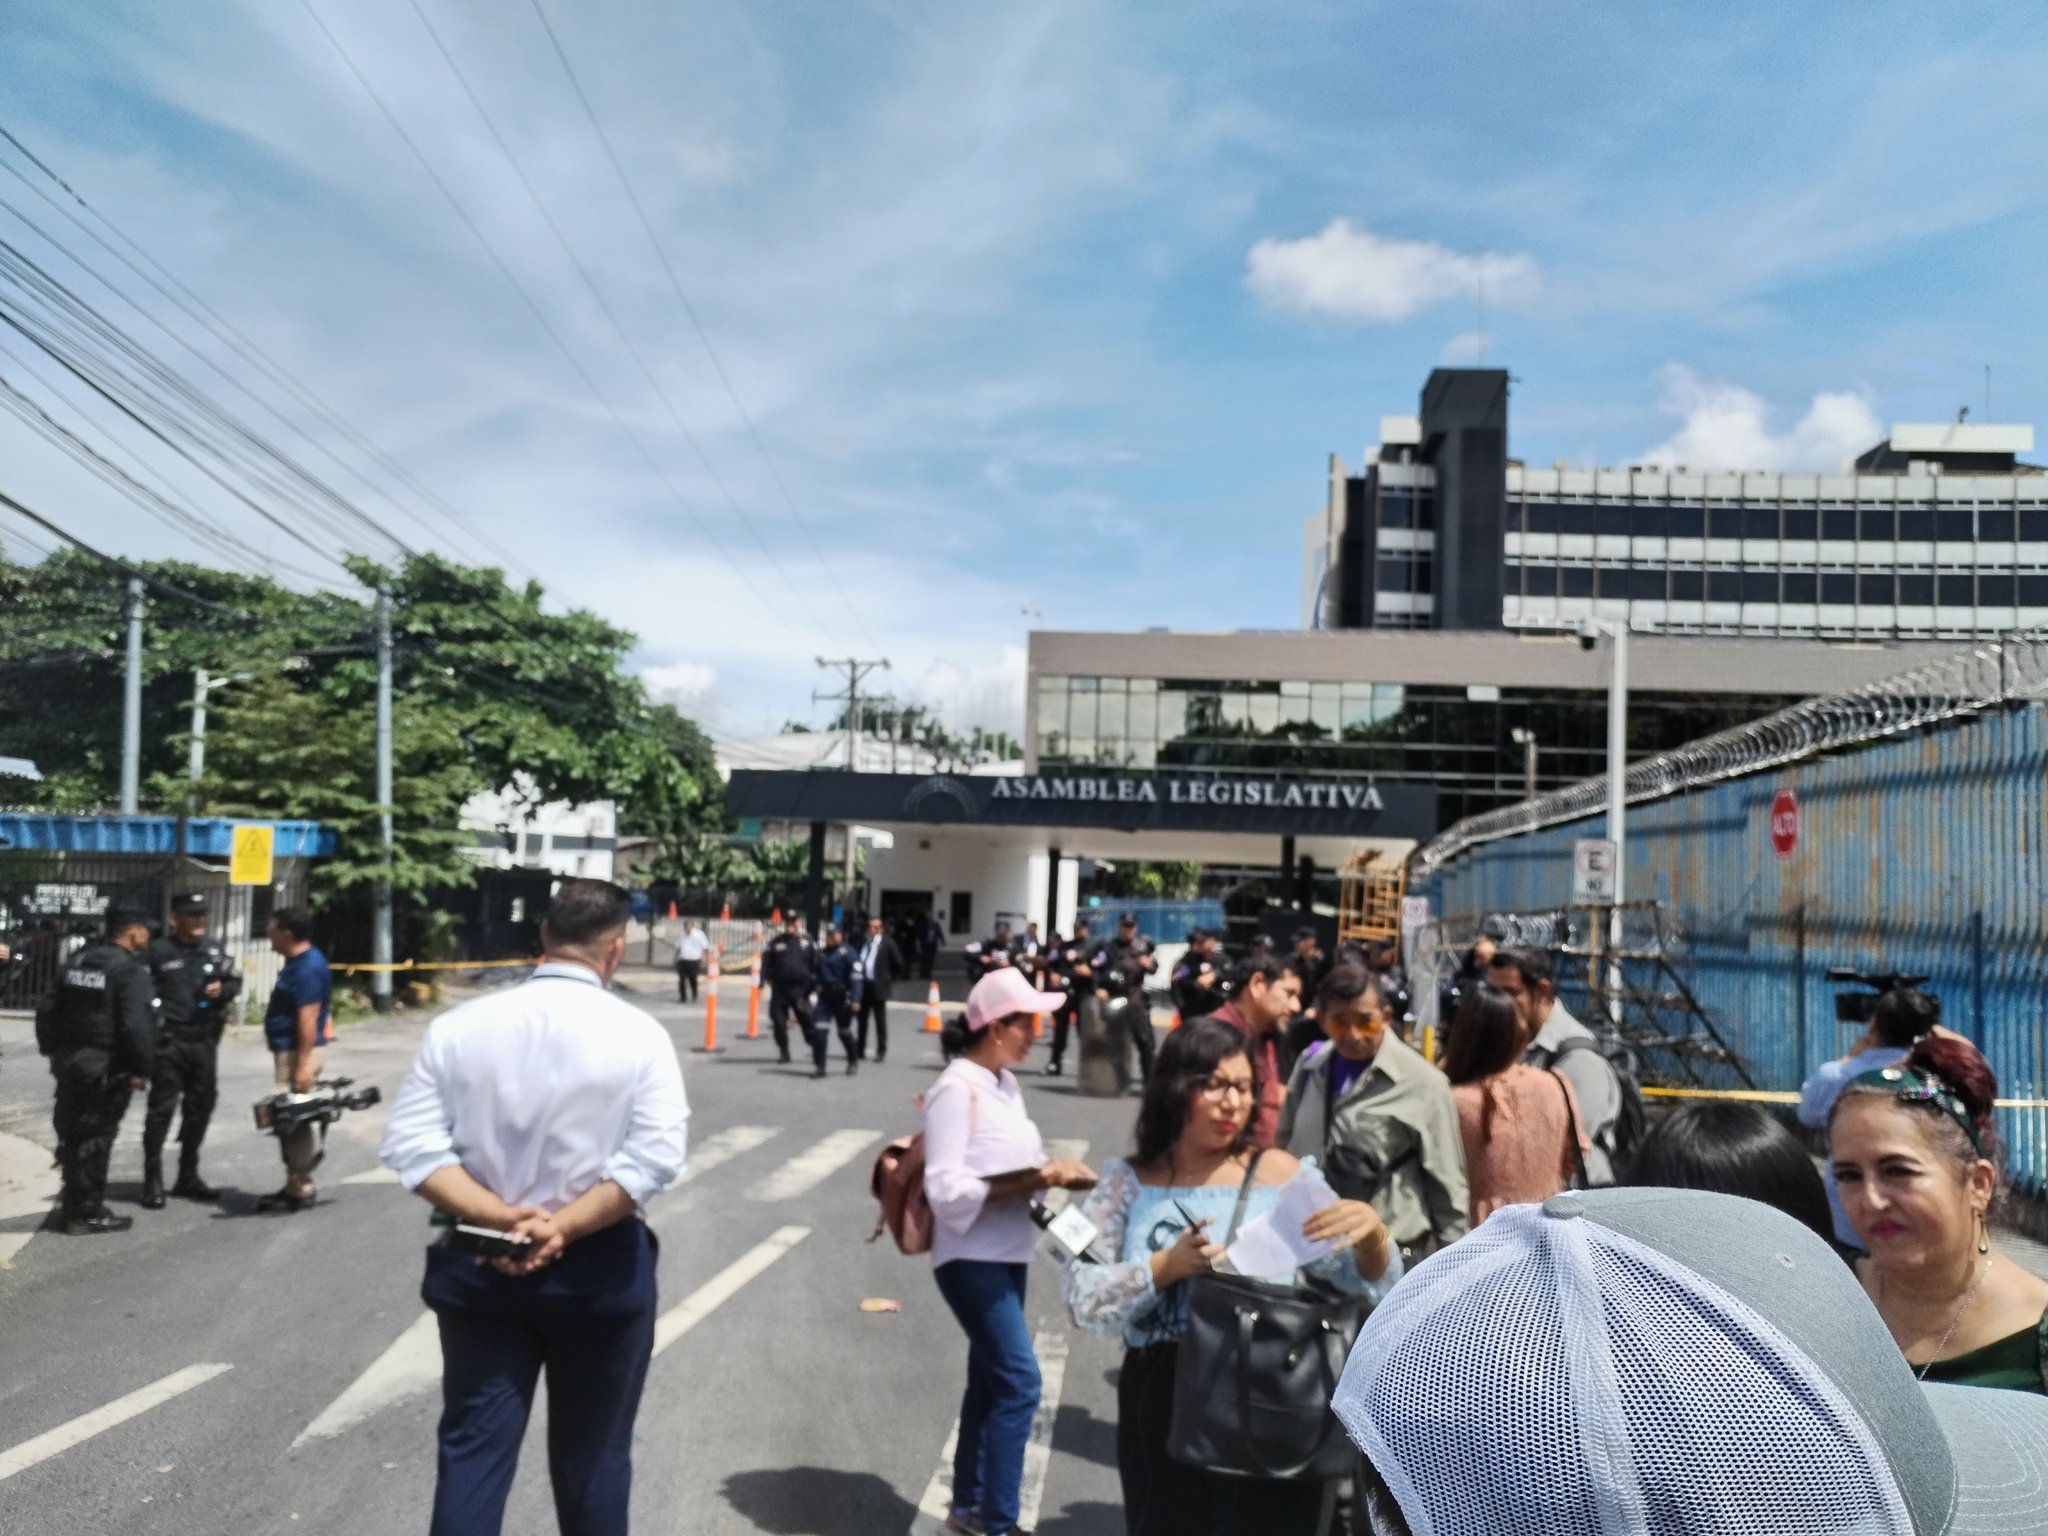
pixel 131 706
pixel 195 755
pixel 856 669
pixel 1526 740
pixel 380 925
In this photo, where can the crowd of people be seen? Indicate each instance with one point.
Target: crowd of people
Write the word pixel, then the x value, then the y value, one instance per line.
pixel 1526 1195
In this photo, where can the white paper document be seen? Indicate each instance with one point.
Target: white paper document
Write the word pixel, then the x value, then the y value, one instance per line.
pixel 1270 1246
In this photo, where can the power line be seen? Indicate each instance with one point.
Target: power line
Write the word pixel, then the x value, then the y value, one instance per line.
pixel 169 589
pixel 690 310
pixel 540 315
pixel 167 284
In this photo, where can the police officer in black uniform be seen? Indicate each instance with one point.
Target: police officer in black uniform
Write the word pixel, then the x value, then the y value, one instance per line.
pixel 1197 983
pixel 98 1026
pixel 1121 966
pixel 1067 970
pixel 195 984
pixel 790 966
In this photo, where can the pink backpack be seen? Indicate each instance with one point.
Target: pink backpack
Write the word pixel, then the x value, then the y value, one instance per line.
pixel 898 1183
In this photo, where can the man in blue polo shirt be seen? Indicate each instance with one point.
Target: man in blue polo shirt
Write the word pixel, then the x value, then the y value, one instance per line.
pixel 298 1024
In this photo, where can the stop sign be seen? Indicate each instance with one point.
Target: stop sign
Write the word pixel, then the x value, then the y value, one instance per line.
pixel 1784 822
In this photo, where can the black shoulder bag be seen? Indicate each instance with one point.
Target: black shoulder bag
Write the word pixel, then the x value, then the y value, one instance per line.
pixel 1255 1372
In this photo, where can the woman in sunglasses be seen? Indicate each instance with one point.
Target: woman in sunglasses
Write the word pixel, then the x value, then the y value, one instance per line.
pixel 1917 1161
pixel 1160 1217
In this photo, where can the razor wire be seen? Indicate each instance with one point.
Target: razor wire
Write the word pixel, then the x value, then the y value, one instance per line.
pixel 1986 676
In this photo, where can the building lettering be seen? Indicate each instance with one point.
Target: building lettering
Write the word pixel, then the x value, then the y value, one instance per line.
pixel 1288 794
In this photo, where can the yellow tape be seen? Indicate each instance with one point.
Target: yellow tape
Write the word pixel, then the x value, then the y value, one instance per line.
pixel 432 965
pixel 1769 1096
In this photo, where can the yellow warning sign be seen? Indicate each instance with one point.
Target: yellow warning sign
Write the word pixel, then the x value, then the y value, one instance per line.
pixel 251 860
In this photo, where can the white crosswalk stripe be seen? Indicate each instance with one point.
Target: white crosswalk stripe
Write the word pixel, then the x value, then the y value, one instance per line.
pixel 371 1176
pixel 723 1286
pixel 410 1366
pixel 53 1441
pixel 723 1146
pixel 811 1168
pixel 932 1509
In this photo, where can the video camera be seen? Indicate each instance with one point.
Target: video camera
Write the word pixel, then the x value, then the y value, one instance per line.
pixel 283 1113
pixel 1858 1007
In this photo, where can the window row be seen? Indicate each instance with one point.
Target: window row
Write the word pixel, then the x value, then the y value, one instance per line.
pixel 1948 589
pixel 1642 519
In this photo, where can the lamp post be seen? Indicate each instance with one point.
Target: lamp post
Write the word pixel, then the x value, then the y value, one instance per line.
pixel 1616 632
pixel 1526 740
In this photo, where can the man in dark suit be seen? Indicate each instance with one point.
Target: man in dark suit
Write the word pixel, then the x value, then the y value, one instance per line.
pixel 875 972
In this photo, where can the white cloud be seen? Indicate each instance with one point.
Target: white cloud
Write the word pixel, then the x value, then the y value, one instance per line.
pixel 1348 273
pixel 990 694
pixel 681 683
pixel 1725 426
pixel 1467 347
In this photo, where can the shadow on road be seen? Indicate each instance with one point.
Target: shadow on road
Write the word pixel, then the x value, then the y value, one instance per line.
pixel 1077 1432
pixel 818 1501
pixel 1094 1519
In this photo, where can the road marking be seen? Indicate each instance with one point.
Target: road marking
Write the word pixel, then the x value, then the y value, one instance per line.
pixel 119 1411
pixel 28 1187
pixel 723 1286
pixel 810 1168
pixel 933 1508
pixel 724 1147
pixel 410 1366
pixel 374 1176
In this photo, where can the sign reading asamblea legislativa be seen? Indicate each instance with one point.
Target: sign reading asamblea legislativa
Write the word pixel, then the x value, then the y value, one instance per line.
pixel 1129 801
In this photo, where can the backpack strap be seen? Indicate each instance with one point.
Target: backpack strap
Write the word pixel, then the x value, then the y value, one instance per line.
pixel 1571 1123
pixel 1244 1195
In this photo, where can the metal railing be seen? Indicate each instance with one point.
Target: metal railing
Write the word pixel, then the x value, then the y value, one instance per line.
pixel 1984 677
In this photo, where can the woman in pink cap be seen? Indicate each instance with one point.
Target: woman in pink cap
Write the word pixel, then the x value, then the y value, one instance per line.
pixel 984 1161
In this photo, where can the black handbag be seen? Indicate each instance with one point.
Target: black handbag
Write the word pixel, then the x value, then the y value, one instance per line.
pixel 1255 1372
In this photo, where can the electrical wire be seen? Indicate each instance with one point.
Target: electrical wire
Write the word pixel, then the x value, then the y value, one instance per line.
pixel 690 311
pixel 540 317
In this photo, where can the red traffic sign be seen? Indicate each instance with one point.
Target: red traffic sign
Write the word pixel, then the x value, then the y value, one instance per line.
pixel 1784 822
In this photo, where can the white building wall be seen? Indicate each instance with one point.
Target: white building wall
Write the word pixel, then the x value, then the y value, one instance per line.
pixel 568 840
pixel 1005 881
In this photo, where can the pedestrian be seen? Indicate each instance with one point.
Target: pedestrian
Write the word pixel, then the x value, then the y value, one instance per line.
pixel 1379 1119
pixel 1311 965
pixel 1068 973
pixel 1899 1020
pixel 836 963
pixel 1553 1038
pixel 692 945
pixel 196 983
pixel 790 964
pixel 1194 1157
pixel 1635 1362
pixel 1120 967
pixel 552 1111
pixel 1196 984
pixel 98 1027
pixel 1519 1124
pixel 1265 994
pixel 1735 1149
pixel 930 939
pixel 1919 1167
pixel 881 964
pixel 298 1025
pixel 984 1161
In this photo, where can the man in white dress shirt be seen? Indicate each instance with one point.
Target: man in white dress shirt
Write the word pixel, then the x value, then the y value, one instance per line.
pixel 553 1111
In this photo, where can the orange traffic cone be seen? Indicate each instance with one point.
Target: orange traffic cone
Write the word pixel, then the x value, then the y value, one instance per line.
pixel 1176 1020
pixel 754 1000
pixel 711 1005
pixel 932 1022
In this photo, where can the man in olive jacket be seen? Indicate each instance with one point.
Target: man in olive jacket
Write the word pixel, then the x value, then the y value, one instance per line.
pixel 1378 1119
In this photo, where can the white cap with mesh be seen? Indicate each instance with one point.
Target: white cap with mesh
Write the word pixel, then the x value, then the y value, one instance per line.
pixel 1630 1361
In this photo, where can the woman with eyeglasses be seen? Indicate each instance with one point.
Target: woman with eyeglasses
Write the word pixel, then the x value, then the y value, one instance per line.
pixel 1917 1162
pixel 983 1163
pixel 1159 1216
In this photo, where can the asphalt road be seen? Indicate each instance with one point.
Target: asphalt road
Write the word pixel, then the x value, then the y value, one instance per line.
pixel 215 1372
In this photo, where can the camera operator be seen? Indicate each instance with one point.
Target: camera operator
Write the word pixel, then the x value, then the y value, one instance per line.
pixel 1197 984
pixel 551 1111
pixel 1899 1018
pixel 296 1024
pixel 1121 966
pixel 98 1026
pixel 195 984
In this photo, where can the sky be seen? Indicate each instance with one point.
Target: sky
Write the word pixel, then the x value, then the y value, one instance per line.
pixel 1036 314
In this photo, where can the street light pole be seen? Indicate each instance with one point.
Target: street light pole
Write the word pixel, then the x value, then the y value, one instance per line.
pixel 131 705
pixel 1617 805
pixel 1526 740
pixel 195 754
pixel 380 926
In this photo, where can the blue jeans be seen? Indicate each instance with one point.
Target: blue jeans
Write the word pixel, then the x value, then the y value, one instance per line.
pixel 1002 1386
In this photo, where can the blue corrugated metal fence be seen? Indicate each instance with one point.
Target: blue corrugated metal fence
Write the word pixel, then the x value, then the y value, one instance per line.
pixel 1922 854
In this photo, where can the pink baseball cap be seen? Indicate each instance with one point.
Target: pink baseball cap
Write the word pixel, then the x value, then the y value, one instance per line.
pixel 1003 992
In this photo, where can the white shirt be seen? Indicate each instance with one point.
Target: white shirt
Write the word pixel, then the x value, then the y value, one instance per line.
pixel 975 1125
pixel 867 956
pixel 541 1092
pixel 691 943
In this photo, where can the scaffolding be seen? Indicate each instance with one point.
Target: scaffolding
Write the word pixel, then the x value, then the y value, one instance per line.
pixel 1369 892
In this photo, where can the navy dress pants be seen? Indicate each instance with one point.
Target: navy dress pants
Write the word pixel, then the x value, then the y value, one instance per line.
pixel 588 1321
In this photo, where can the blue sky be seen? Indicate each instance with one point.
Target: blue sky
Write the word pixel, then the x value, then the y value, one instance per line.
pixel 1043 308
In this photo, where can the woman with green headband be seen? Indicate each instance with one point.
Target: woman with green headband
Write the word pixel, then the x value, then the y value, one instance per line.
pixel 1917 1160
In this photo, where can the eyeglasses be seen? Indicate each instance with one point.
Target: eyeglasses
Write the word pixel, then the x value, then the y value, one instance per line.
pixel 1361 1022
pixel 1217 1089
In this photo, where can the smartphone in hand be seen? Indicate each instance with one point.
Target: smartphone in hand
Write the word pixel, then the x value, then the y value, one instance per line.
pixel 487 1242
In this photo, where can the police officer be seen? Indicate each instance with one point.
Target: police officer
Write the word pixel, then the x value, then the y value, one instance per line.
pixel 1121 966
pixel 790 964
pixel 836 983
pixel 1197 984
pixel 195 984
pixel 98 1026
pixel 1067 971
